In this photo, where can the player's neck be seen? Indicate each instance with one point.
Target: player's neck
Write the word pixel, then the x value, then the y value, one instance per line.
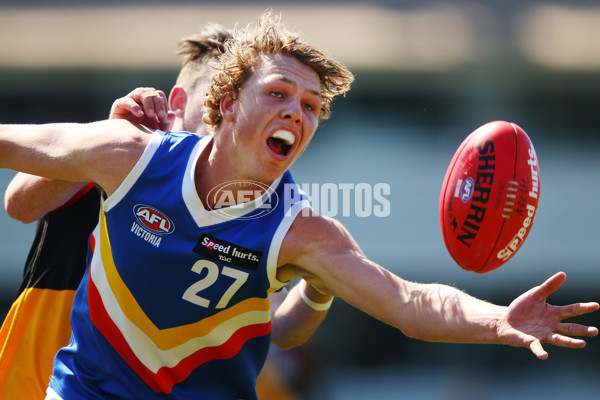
pixel 217 170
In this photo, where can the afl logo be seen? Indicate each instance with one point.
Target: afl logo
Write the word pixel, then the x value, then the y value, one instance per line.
pixel 466 190
pixel 153 220
pixel 230 196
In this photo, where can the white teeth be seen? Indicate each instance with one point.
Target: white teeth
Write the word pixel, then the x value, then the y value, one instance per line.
pixel 287 136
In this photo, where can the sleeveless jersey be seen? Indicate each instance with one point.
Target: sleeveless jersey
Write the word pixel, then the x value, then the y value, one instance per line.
pixel 175 301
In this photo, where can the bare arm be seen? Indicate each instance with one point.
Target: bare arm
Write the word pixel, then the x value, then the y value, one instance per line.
pixel 293 320
pixel 322 251
pixel 103 152
pixel 29 197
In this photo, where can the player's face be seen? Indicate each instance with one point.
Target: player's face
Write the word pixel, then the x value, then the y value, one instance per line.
pixel 276 115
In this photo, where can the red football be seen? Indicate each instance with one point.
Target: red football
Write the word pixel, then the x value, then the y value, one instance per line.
pixel 490 196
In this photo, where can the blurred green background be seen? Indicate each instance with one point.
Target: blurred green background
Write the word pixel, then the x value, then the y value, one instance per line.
pixel 427 74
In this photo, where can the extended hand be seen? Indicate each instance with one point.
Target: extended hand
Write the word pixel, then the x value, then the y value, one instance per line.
pixel 531 321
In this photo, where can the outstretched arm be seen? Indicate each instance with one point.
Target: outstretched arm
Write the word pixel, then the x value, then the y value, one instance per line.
pixel 444 314
pixel 323 252
pixel 103 152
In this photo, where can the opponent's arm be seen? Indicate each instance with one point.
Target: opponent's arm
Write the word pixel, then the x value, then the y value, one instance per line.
pixel 324 253
pixel 30 197
pixel 103 152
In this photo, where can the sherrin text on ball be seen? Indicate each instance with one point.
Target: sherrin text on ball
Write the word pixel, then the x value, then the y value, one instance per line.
pixel 490 196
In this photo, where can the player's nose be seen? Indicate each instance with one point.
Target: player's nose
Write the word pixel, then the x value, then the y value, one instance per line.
pixel 292 111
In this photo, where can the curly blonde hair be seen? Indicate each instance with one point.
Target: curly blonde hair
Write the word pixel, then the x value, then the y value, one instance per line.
pixel 269 36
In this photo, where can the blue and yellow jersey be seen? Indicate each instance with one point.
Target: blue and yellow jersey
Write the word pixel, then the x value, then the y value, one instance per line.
pixel 175 300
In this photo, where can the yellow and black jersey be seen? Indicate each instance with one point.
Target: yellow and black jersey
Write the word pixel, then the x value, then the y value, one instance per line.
pixel 37 324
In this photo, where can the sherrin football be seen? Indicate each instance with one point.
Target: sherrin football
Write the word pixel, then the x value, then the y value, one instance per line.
pixel 489 196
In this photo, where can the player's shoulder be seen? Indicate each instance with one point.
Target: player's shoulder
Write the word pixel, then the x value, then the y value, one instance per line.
pixel 310 224
pixel 311 233
pixel 113 150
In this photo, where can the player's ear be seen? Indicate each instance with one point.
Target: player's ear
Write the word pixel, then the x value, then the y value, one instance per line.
pixel 227 107
pixel 178 100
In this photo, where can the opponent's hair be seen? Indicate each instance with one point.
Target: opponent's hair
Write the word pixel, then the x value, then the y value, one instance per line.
pixel 269 36
pixel 197 50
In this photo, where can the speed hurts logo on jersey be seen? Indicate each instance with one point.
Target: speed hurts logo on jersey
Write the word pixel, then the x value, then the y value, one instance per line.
pixel 151 224
pixel 231 253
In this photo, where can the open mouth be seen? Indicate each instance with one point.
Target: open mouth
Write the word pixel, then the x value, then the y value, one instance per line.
pixel 281 142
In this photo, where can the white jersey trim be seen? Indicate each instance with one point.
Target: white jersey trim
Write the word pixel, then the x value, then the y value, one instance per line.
pixel 135 172
pixel 282 230
pixel 201 215
pixel 52 395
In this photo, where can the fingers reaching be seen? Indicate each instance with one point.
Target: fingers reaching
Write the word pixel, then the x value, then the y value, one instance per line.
pixel 536 347
pixel 551 285
pixel 574 310
pixel 571 329
pixel 532 321
pixel 566 341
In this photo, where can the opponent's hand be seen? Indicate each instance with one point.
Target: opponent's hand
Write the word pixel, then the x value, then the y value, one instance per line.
pixel 531 321
pixel 146 106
